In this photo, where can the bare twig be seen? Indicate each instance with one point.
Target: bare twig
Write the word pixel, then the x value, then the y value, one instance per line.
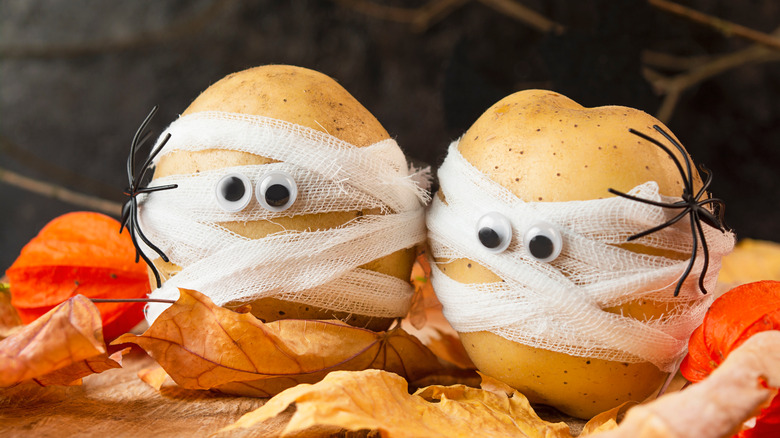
pixel 54 172
pixel 60 193
pixel 525 15
pixel 434 11
pixel 188 26
pixel 726 27
pixel 668 61
pixel 674 87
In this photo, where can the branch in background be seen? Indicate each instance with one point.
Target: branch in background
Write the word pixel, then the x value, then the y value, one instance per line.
pixel 671 62
pixel 525 15
pixel 182 28
pixel 60 175
pixel 56 192
pixel 728 28
pixel 673 87
pixel 424 17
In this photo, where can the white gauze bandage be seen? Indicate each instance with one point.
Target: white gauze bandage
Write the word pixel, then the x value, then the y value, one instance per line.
pixel 319 267
pixel 558 306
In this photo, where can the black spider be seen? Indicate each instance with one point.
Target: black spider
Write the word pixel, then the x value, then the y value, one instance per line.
pixel 689 204
pixel 130 209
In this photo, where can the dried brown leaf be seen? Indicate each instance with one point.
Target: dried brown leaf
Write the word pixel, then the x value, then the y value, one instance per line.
pixel 715 407
pixel 379 401
pixel 67 334
pixel 72 374
pixel 153 377
pixel 204 346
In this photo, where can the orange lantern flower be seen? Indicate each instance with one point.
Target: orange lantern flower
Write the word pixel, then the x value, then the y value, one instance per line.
pixel 732 319
pixel 80 253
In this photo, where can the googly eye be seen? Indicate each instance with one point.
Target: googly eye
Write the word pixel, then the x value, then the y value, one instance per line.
pixel 494 232
pixel 277 191
pixel 543 242
pixel 234 191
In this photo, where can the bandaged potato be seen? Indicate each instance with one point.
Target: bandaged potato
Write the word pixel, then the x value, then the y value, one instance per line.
pixel 290 196
pixel 532 263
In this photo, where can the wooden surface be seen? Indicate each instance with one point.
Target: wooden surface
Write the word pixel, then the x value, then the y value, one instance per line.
pixel 117 404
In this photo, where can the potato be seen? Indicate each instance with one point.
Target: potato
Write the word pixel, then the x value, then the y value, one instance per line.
pixel 544 147
pixel 304 97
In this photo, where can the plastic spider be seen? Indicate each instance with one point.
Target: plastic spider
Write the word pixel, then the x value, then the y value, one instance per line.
pixel 690 205
pixel 130 209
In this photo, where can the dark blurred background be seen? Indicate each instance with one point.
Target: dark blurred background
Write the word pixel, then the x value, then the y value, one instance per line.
pixel 78 76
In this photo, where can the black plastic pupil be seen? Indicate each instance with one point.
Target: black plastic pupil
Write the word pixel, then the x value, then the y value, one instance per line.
pixel 489 237
pixel 233 189
pixel 541 247
pixel 277 195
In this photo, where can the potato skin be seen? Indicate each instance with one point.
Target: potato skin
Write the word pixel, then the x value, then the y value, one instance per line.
pixel 544 147
pixel 304 97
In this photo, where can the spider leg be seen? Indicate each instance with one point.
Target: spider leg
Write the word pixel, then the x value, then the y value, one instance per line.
pixel 665 149
pixel 146 259
pixel 137 138
pixel 131 227
pixel 668 223
pixel 125 217
pixel 156 189
pixel 706 256
pixel 145 167
pixel 707 181
pixel 143 255
pixel 689 179
pixel 693 257
pixel 648 201
pixel 143 237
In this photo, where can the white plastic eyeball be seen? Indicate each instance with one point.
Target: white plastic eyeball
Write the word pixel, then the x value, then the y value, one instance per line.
pixel 494 231
pixel 543 242
pixel 277 191
pixel 234 191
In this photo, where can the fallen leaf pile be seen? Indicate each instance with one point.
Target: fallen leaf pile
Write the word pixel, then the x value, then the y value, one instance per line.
pixel 204 346
pixel 326 377
pixel 80 253
pixel 376 400
pixel 58 348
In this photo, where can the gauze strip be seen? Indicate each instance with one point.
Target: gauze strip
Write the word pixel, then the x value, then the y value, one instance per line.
pixel 319 267
pixel 558 305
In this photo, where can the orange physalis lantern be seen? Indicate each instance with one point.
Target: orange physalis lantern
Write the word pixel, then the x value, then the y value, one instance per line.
pixel 731 320
pixel 80 253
